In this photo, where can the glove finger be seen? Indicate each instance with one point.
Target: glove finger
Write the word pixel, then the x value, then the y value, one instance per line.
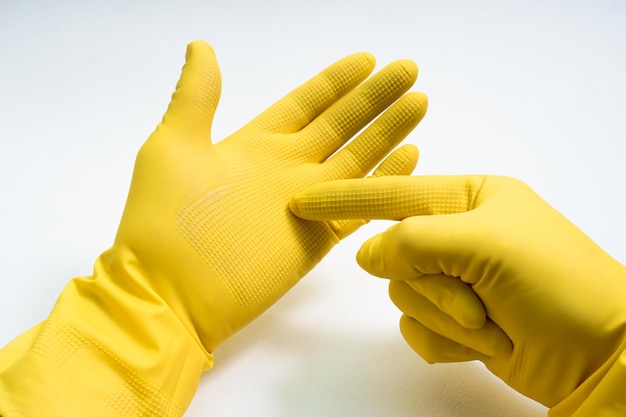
pixel 197 94
pixel 359 156
pixel 391 198
pixel 452 296
pixel 432 347
pixel 489 339
pixel 329 131
pixel 302 105
pixel 402 161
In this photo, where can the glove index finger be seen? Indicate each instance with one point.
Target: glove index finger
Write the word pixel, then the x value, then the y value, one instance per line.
pixel 389 198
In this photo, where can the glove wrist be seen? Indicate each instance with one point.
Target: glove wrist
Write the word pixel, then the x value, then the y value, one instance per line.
pixel 105 351
pixel 603 392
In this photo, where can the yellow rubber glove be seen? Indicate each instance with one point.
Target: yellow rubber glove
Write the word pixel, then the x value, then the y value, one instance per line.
pixel 206 242
pixel 483 268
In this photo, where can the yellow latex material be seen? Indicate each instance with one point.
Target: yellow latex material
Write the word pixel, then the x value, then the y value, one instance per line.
pixel 207 242
pixel 484 269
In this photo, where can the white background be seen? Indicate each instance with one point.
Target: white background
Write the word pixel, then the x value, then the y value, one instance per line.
pixel 531 89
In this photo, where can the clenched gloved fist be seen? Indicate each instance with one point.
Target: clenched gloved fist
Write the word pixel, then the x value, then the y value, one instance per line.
pixel 484 269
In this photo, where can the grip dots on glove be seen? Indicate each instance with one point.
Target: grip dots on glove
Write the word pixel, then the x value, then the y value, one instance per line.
pixel 63 346
pixel 249 269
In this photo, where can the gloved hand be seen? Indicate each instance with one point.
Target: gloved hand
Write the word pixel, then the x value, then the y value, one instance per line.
pixel 207 242
pixel 483 268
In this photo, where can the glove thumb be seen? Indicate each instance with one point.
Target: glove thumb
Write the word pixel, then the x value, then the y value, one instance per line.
pixel 197 94
pixel 429 254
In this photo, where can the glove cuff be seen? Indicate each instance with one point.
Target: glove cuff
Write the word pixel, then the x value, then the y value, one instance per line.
pixel 104 351
pixel 602 394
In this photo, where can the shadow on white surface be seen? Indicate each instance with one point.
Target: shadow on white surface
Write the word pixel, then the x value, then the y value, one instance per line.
pixel 282 365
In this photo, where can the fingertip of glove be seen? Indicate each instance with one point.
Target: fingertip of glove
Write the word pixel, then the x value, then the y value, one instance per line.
pixel 370 57
pixel 360 59
pixel 293 205
pixel 300 205
pixel 409 154
pixel 367 58
pixel 401 161
pixel 411 151
pixel 418 101
pixel 422 97
pixel 473 318
pixel 359 62
pixel 197 47
pixel 409 67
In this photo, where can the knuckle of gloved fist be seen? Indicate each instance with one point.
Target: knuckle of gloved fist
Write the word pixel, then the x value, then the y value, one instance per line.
pixel 512 184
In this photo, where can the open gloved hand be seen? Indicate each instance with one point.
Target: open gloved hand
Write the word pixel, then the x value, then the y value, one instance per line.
pixel 484 269
pixel 223 243
pixel 207 242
